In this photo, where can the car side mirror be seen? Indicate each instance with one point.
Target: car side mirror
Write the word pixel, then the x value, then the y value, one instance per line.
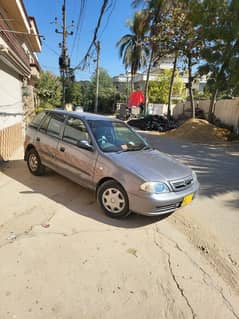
pixel 85 145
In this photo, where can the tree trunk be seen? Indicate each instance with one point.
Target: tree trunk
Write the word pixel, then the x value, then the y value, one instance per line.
pixel 190 82
pixel 131 83
pixel 127 87
pixel 212 104
pixel 171 85
pixel 146 89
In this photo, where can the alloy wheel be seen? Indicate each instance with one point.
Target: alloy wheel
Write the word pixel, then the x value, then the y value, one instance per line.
pixel 33 162
pixel 113 200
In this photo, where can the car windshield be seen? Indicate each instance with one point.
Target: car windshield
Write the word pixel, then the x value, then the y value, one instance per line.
pixel 113 136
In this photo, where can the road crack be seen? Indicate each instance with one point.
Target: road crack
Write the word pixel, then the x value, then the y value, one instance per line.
pixel 4 241
pixel 180 289
pixel 225 268
pixel 207 278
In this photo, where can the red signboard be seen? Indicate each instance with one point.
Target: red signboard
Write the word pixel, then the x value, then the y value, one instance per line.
pixel 136 98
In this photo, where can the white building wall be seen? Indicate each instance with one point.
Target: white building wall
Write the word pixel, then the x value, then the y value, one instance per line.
pixel 157 109
pixel 225 110
pixel 11 105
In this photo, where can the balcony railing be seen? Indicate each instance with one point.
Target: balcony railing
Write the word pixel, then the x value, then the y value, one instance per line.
pixel 12 41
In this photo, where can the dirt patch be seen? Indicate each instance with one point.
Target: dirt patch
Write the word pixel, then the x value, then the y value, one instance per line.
pixel 210 247
pixel 200 131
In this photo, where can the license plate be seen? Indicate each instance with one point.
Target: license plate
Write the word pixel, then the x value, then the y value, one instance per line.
pixel 187 199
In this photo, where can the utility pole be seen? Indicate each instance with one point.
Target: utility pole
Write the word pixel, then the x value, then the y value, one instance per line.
pixel 64 60
pixel 97 44
pixel 66 63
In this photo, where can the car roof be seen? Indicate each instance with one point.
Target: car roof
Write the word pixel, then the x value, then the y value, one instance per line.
pixel 85 115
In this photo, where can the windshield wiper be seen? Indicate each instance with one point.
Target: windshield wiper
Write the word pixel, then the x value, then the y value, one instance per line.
pixel 122 151
pixel 144 147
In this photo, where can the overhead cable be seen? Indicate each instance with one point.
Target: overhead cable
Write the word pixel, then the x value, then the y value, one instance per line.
pixel 79 25
pixel 84 61
pixel 112 7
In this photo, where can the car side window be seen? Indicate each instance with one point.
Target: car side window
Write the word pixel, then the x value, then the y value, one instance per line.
pixel 45 122
pixel 55 124
pixel 37 120
pixel 75 131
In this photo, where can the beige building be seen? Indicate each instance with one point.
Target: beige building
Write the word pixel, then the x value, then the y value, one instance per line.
pixel 139 79
pixel 123 80
pixel 19 71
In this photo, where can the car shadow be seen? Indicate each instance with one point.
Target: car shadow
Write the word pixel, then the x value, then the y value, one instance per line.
pixel 69 194
pixel 216 165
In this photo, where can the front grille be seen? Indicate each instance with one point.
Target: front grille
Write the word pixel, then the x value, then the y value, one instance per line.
pixel 181 184
pixel 161 209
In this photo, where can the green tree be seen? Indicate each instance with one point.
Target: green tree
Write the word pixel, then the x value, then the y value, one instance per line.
pixel 73 93
pixel 173 32
pixel 107 92
pixel 204 31
pixel 189 43
pixel 234 61
pixel 154 14
pixel 159 90
pixel 164 18
pixel 219 28
pixel 132 47
pixel 87 95
pixel 49 90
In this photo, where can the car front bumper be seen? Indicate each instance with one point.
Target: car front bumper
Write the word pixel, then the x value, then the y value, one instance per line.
pixel 159 204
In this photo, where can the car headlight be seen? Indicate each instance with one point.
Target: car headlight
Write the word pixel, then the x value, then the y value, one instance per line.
pixel 154 187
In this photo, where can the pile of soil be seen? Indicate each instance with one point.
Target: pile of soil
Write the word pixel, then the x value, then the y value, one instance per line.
pixel 200 131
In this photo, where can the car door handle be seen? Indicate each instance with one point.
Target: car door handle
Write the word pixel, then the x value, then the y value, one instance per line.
pixel 38 139
pixel 62 149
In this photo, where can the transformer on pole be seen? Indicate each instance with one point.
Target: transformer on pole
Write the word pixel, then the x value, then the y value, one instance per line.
pixel 66 71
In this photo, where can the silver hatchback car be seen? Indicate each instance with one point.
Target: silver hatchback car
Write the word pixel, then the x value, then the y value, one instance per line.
pixel 106 155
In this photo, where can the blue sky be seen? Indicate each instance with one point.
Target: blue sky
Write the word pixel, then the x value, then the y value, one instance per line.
pixel 113 27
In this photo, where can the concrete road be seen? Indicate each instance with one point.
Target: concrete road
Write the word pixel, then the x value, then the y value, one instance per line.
pixel 61 257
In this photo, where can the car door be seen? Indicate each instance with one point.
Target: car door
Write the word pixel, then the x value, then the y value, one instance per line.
pixel 76 162
pixel 47 137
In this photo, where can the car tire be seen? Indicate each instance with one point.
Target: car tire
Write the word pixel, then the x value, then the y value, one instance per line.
pixel 34 163
pixel 113 199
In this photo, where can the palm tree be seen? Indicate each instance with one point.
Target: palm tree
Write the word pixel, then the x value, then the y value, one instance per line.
pixel 164 24
pixel 132 47
pixel 155 11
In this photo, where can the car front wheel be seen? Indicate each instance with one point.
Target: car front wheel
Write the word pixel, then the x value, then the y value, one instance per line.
pixel 34 163
pixel 113 199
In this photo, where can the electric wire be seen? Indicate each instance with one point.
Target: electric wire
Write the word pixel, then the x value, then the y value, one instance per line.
pixel 48 67
pixel 81 27
pixel 20 32
pixel 78 25
pixel 112 6
pixel 52 50
pixel 84 61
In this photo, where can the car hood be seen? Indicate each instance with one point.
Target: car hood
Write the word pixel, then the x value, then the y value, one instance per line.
pixel 151 165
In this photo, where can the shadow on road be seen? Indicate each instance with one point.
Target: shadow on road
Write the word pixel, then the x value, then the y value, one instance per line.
pixel 72 196
pixel 217 166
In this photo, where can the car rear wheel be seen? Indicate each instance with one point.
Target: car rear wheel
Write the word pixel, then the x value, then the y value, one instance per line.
pixel 113 199
pixel 34 163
